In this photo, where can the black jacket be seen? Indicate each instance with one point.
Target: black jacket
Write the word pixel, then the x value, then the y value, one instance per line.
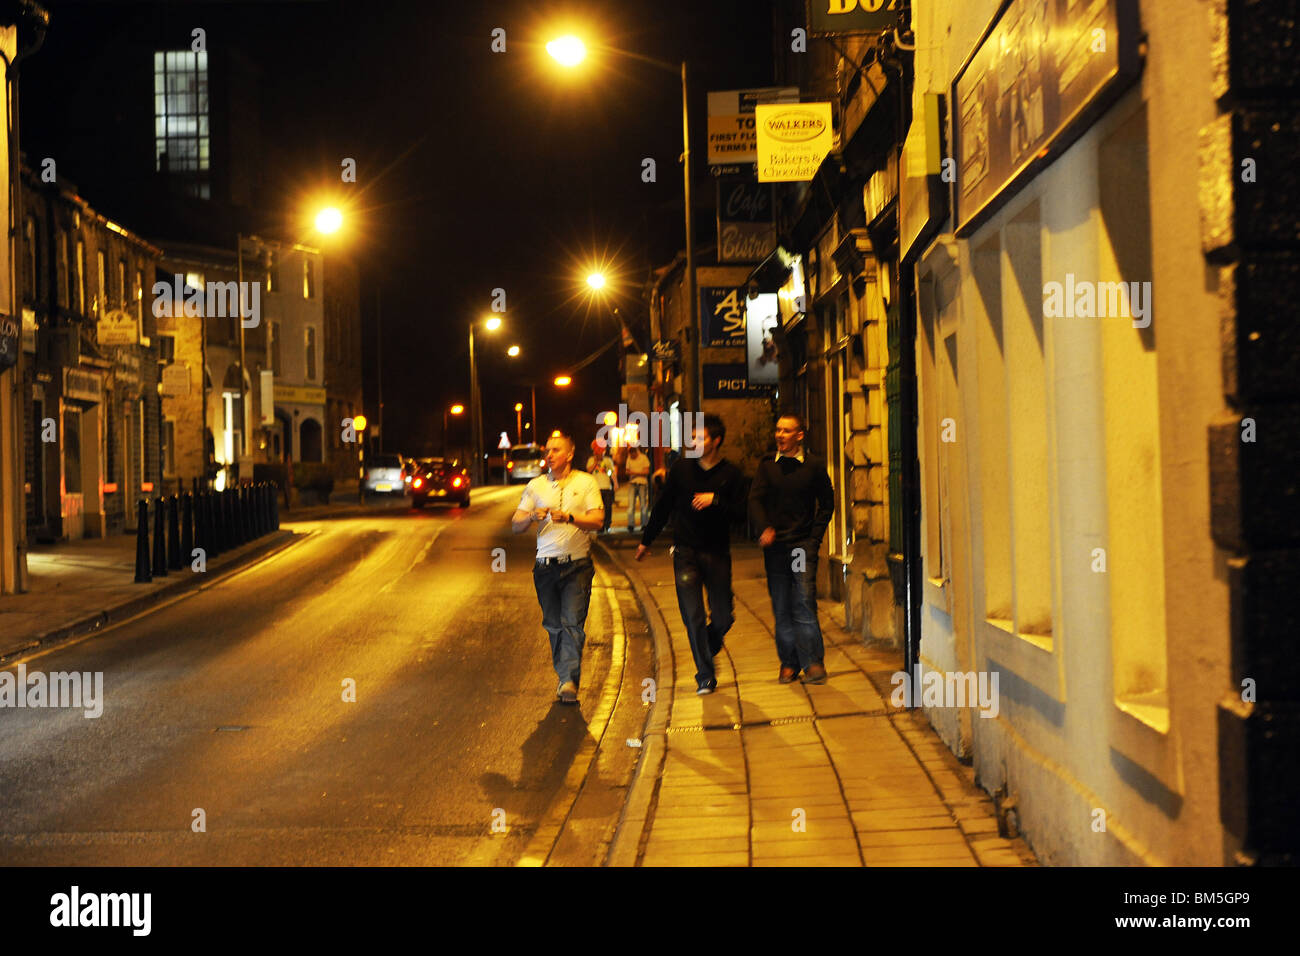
pixel 710 528
pixel 793 497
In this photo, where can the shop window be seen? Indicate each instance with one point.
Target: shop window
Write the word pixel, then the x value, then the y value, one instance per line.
pixel 1134 499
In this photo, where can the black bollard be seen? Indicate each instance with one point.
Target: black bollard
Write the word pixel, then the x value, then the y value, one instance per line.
pixel 142 573
pixel 173 534
pixel 210 545
pixel 266 507
pixel 159 540
pixel 246 500
pixel 187 527
pixel 275 508
pixel 223 516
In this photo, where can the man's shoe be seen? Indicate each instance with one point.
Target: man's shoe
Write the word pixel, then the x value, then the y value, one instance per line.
pixel 568 692
pixel 815 674
pixel 788 675
pixel 707 687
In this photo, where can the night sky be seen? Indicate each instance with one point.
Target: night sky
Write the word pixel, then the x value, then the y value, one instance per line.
pixel 476 170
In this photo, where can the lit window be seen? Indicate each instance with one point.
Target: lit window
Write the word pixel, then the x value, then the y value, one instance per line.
pixel 182 144
pixel 311 353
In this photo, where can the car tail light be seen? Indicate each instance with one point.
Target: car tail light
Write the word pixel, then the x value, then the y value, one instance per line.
pixel 417 483
pixel 510 464
pixel 455 482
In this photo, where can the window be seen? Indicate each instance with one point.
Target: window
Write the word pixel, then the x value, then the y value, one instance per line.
pixel 64 276
pixel 71 451
pixel 80 287
pixel 139 295
pixel 273 272
pixel 181 135
pixel 100 303
pixel 166 349
pixel 31 272
pixel 275 348
pixel 310 337
pixel 308 278
pixel 168 439
pixel 121 283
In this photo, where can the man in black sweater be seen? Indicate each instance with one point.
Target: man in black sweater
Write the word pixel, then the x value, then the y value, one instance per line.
pixel 703 495
pixel 792 501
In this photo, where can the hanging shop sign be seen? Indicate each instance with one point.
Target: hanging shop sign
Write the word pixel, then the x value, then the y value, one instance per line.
pixel 745 229
pixel 175 380
pixel 80 386
pixel 668 350
pixel 10 341
pixel 1039 77
pixel 731 381
pixel 922 194
pixel 722 317
pixel 762 318
pixel 732 136
pixel 118 327
pixel 793 139
pixel 835 17
pixel 29 330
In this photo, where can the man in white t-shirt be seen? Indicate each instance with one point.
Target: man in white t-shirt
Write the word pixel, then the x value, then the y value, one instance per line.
pixel 567 506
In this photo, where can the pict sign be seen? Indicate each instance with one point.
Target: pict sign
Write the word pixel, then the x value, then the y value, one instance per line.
pixel 793 139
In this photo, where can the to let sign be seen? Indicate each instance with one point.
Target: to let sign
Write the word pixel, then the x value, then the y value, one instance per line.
pixel 830 17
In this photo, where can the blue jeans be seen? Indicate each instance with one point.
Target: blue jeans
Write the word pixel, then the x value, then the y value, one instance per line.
pixel 694 573
pixel 637 492
pixel 794 604
pixel 564 592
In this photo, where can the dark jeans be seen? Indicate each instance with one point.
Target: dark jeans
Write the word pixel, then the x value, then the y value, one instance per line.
pixel 607 497
pixel 564 592
pixel 694 573
pixel 794 603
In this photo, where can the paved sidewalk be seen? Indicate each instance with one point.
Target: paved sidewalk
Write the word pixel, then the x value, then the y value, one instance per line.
pixel 764 774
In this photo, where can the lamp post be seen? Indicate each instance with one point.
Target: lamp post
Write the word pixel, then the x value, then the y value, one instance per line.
pixel 359 424
pixel 492 323
pixel 570 51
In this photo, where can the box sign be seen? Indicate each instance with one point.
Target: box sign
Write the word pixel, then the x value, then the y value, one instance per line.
pixel 175 380
pixel 793 139
pixel 834 17
pixel 722 317
pixel 118 328
pixel 1036 81
pixel 922 194
pixel 731 381
pixel 745 229
pixel 299 395
pixel 762 318
pixel 10 342
pixel 732 137
pixel 668 350
pixel 79 386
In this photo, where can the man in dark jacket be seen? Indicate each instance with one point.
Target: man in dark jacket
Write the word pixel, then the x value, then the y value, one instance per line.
pixel 702 495
pixel 792 501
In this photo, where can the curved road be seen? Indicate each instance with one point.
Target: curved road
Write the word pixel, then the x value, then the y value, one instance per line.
pixel 230 701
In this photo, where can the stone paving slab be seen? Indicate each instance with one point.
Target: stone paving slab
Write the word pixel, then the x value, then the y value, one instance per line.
pixel 875 785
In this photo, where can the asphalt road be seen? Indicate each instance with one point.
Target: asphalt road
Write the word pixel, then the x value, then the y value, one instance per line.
pixel 230 701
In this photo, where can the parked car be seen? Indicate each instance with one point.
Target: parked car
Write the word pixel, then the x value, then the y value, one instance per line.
pixel 440 479
pixel 384 475
pixel 524 463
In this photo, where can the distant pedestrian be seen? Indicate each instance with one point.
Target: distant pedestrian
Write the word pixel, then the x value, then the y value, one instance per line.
pixel 791 499
pixel 638 491
pixel 702 495
pixel 566 505
pixel 601 467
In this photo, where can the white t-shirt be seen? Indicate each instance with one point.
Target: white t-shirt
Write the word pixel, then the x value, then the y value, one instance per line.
pixel 575 495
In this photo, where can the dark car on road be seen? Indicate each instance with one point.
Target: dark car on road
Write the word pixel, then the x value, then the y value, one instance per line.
pixel 440 479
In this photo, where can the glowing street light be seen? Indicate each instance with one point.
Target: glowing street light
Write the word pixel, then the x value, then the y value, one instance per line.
pixel 596 280
pixel 513 351
pixel 457 409
pixel 493 323
pixel 563 381
pixel 329 220
pixel 567 50
pixel 359 422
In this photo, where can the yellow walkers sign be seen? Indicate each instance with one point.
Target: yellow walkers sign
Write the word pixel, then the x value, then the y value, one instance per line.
pixel 793 139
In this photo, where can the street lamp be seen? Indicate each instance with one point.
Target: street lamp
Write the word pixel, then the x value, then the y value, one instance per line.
pixel 456 409
pixel 359 426
pixel 513 351
pixel 596 280
pixel 570 51
pixel 491 323
pixel 519 422
pixel 563 381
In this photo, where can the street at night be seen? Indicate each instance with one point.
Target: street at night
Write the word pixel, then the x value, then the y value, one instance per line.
pixel 440 439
